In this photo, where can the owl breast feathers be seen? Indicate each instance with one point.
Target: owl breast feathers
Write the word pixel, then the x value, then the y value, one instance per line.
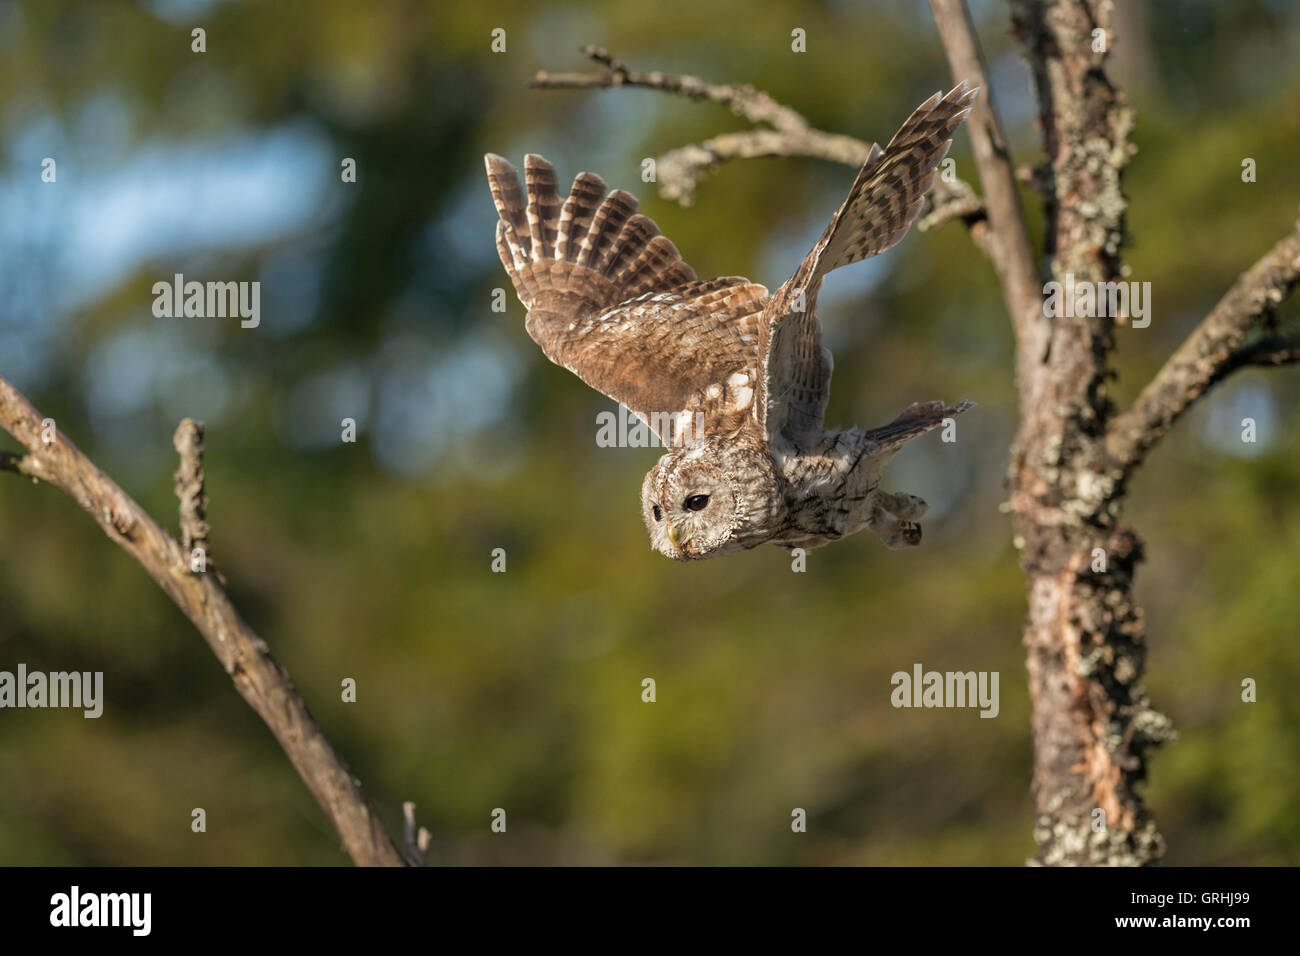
pixel 733 379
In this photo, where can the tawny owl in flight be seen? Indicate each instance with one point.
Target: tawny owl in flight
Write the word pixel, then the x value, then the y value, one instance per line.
pixel 732 379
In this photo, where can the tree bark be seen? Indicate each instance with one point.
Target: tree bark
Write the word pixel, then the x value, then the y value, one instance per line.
pixel 1084 635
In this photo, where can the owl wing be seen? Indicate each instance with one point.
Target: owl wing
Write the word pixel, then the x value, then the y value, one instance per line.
pixel 883 201
pixel 610 299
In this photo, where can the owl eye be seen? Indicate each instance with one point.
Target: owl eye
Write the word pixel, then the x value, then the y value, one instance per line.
pixel 696 502
pixel 658 513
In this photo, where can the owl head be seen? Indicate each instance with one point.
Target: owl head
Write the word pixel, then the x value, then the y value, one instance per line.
pixel 717 495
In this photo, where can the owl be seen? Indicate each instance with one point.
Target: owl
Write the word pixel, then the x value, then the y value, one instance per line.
pixel 733 380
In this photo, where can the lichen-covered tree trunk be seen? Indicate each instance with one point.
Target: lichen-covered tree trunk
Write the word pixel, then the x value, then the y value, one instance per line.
pixel 1084 637
pixel 1092 721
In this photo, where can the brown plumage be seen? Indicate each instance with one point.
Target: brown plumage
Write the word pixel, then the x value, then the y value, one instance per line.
pixel 733 380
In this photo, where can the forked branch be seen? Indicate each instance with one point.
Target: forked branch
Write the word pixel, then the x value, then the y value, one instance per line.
pixel 680 170
pixel 258 677
pixel 1214 350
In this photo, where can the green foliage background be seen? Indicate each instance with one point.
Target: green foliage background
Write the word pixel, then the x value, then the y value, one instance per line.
pixel 371 561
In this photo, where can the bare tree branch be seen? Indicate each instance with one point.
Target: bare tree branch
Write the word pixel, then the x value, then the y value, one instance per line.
pixel 956 200
pixel 742 99
pixel 1210 353
pixel 680 170
pixel 1270 351
pixel 258 677
pixel 947 201
pixel 1007 242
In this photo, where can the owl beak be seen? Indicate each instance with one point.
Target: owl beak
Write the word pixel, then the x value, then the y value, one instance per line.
pixel 676 539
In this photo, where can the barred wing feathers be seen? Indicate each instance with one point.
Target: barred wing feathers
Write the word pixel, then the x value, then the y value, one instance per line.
pixel 884 199
pixel 610 299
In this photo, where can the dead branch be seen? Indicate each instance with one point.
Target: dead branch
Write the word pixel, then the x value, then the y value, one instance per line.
pixel 188 442
pixel 1210 354
pixel 1007 243
pixel 947 201
pixel 1268 352
pixel 258 677
pixel 742 99
pixel 680 170
pixel 417 838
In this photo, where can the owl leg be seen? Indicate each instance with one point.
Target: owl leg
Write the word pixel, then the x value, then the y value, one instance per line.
pixel 906 507
pixel 894 532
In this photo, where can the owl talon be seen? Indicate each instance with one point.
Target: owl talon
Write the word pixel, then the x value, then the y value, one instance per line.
pixel 904 507
pixel 895 533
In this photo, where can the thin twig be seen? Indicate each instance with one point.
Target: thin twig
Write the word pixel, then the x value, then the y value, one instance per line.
pixel 742 99
pixel 258 677
pixel 417 838
pixel 188 442
pixel 679 170
pixel 956 200
pixel 1269 352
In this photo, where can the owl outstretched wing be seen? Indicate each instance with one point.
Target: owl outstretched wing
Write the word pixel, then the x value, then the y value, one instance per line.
pixel 884 199
pixel 610 299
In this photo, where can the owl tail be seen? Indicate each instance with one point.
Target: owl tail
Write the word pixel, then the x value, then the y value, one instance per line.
pixel 576 256
pixel 916 420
